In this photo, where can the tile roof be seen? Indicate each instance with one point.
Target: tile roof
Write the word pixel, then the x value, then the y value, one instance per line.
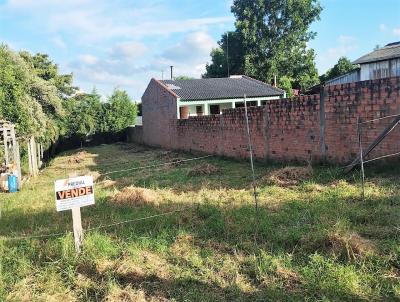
pixel 390 51
pixel 221 88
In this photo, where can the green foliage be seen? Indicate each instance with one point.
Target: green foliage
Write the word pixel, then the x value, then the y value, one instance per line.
pixel 27 100
pixel 285 83
pixel 312 241
pixel 43 103
pixel 48 71
pixel 85 113
pixel 270 40
pixel 342 67
pixel 218 67
pixel 183 77
pixel 119 112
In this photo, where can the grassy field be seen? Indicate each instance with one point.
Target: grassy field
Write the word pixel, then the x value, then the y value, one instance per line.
pixel 313 239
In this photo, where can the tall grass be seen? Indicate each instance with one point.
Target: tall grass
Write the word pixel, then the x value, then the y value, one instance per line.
pixel 315 241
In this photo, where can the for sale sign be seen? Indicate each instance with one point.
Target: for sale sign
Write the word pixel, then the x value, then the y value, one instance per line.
pixel 74 193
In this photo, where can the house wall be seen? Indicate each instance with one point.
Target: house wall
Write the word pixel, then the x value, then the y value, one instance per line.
pixel 303 128
pixel 159 107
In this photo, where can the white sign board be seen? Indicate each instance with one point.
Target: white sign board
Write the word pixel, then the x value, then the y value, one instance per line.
pixel 74 193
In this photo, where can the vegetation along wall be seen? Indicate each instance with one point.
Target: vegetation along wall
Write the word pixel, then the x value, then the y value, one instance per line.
pixel 315 127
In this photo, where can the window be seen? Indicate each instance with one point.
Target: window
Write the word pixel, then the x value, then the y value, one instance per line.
pixel 199 110
pixel 395 68
pixel 214 109
pixel 379 70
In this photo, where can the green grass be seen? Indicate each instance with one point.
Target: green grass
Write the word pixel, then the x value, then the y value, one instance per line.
pixel 315 241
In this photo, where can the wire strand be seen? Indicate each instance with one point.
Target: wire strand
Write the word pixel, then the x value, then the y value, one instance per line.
pixel 157 165
pixel 20 238
pixel 378 119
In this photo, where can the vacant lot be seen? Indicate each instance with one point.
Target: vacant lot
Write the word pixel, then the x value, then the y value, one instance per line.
pixel 312 239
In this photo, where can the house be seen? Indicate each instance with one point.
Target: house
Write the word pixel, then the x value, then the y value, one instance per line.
pixel 381 63
pixel 199 97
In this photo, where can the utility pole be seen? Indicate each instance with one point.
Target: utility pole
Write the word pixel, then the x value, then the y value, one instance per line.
pixel 172 72
pixel 227 53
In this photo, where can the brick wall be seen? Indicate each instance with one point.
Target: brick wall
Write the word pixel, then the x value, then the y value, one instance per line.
pixel 159 116
pixel 315 127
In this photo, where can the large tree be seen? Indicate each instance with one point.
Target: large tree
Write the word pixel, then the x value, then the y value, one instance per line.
pixel 28 100
pixel 230 50
pixel 120 112
pixel 48 71
pixel 275 34
pixel 342 67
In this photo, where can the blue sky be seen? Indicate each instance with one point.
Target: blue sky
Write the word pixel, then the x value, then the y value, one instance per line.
pixel 123 44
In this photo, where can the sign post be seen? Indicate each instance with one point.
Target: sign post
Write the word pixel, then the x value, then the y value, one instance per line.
pixel 72 194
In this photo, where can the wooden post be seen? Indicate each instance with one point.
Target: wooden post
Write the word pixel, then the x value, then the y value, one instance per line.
pixel 38 152
pixel 5 134
pixel 78 231
pixel 30 158
pixel 34 157
pixel 18 163
pixel 77 224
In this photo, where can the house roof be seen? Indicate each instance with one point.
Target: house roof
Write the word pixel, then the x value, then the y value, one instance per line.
pixel 390 51
pixel 221 88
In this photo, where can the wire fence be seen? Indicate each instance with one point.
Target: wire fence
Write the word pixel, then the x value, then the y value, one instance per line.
pixel 52 235
pixel 173 162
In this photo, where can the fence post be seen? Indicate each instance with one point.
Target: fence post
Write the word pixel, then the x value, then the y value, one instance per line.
pixel 30 158
pixel 5 138
pixel 322 123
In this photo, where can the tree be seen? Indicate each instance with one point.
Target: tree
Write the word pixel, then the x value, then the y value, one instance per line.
pixel 27 100
pixel 342 67
pixel 48 71
pixel 85 114
pixel 275 34
pixel 183 77
pixel 120 112
pixel 286 84
pixel 218 68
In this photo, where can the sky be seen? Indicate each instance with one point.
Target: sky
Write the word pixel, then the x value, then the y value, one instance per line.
pixel 123 44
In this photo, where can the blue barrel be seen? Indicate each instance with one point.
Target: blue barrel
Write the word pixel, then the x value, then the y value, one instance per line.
pixel 12 184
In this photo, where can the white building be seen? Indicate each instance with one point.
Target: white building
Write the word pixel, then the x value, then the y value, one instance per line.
pixel 381 63
pixel 210 96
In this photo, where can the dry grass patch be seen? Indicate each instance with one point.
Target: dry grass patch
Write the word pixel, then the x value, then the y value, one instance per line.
pixel 203 169
pixel 78 158
pixel 107 183
pixel 135 196
pixel 351 244
pixel 128 294
pixel 95 174
pixel 289 176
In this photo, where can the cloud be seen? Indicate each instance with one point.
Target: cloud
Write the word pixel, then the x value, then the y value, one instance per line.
pixel 122 66
pixel 88 59
pixel 194 45
pixel 91 21
pixel 396 31
pixel 345 46
pixel 382 28
pixel 59 42
pixel 190 55
pixel 128 50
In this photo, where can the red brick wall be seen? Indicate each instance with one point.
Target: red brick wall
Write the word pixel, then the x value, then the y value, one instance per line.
pixel 367 100
pixel 159 110
pixel 285 130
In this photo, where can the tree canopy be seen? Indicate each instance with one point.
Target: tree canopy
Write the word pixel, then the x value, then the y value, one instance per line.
pixel 231 52
pixel 342 67
pixel 270 40
pixel 44 103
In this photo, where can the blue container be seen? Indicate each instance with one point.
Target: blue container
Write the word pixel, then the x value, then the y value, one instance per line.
pixel 12 184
